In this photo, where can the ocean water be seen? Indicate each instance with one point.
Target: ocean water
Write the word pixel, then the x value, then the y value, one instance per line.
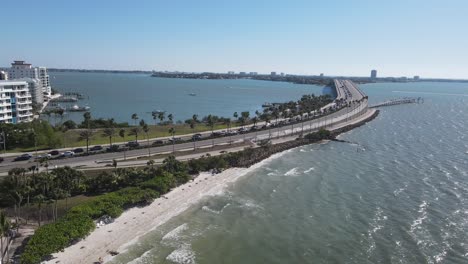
pixel 397 194
pixel 118 96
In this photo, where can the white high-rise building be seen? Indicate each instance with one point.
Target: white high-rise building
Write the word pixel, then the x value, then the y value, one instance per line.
pixel 35 89
pixel 20 69
pixel 15 102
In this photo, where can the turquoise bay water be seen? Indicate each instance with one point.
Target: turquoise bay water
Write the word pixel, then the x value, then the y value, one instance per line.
pixel 399 194
pixel 118 96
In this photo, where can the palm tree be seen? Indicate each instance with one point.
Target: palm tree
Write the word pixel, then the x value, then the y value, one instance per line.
pixel 134 131
pixel 244 117
pixel 193 123
pixel 122 135
pixel 210 122
pixel 161 117
pixel 276 115
pixel 86 135
pixel 146 130
pixel 155 117
pixel 255 121
pixel 135 118
pixel 87 118
pixel 170 117
pixel 39 200
pixel 172 132
pixel 109 132
pixel 227 122
pixel 4 232
pixel 235 115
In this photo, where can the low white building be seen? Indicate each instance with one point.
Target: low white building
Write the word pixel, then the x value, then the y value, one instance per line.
pixel 15 102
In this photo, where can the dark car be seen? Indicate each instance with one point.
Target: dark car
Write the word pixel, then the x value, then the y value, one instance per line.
pixel 23 157
pixel 133 144
pixel 113 148
pixel 96 148
pixel 54 153
pixel 78 150
pixel 197 137
pixel 158 143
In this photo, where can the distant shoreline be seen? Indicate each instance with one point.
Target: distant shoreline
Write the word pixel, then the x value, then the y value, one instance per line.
pixel 358 79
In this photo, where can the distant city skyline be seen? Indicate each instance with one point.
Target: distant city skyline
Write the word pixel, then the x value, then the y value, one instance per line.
pixel 337 38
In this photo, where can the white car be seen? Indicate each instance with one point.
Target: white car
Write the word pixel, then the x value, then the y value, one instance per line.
pixel 67 154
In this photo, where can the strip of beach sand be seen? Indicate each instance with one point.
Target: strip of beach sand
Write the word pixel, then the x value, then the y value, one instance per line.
pixel 136 222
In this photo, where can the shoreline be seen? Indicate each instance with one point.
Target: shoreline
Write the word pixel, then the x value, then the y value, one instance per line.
pixel 138 221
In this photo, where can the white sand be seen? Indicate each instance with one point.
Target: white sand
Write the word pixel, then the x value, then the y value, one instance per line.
pixel 136 222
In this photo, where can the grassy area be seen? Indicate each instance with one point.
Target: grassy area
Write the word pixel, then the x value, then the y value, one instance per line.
pixel 31 212
pixel 70 137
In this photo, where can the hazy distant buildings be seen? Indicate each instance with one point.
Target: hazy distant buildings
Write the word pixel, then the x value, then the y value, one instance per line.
pixel 230 72
pixel 253 73
pixel 416 78
pixel 20 69
pixel 321 75
pixel 373 74
pixel 3 75
pixel 242 73
pixel 273 74
pixel 15 102
pixel 282 74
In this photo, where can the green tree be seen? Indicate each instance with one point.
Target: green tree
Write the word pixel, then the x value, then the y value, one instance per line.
pixel 161 117
pixel 135 118
pixel 134 131
pixel 170 117
pixel 110 133
pixel 244 118
pixel 87 119
pixel 235 115
pixel 4 233
pixel 86 135
pixel 145 128
pixel 122 135
pixel 211 123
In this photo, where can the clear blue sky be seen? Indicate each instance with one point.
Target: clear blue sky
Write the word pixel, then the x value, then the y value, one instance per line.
pixel 348 37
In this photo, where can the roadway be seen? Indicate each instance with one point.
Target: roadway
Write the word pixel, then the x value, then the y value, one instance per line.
pixel 348 90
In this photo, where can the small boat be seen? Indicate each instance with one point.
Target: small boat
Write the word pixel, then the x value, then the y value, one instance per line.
pixel 192 94
pixel 156 112
pixel 77 108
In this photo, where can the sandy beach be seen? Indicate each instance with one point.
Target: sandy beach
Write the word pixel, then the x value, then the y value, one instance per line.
pixel 135 222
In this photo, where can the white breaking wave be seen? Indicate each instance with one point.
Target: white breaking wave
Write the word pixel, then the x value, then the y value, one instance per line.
pixel 182 255
pixel 175 233
pixel 206 208
pixel 143 259
pixel 292 172
pixel 309 170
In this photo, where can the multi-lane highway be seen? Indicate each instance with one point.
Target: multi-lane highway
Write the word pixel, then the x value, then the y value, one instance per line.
pixel 345 90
